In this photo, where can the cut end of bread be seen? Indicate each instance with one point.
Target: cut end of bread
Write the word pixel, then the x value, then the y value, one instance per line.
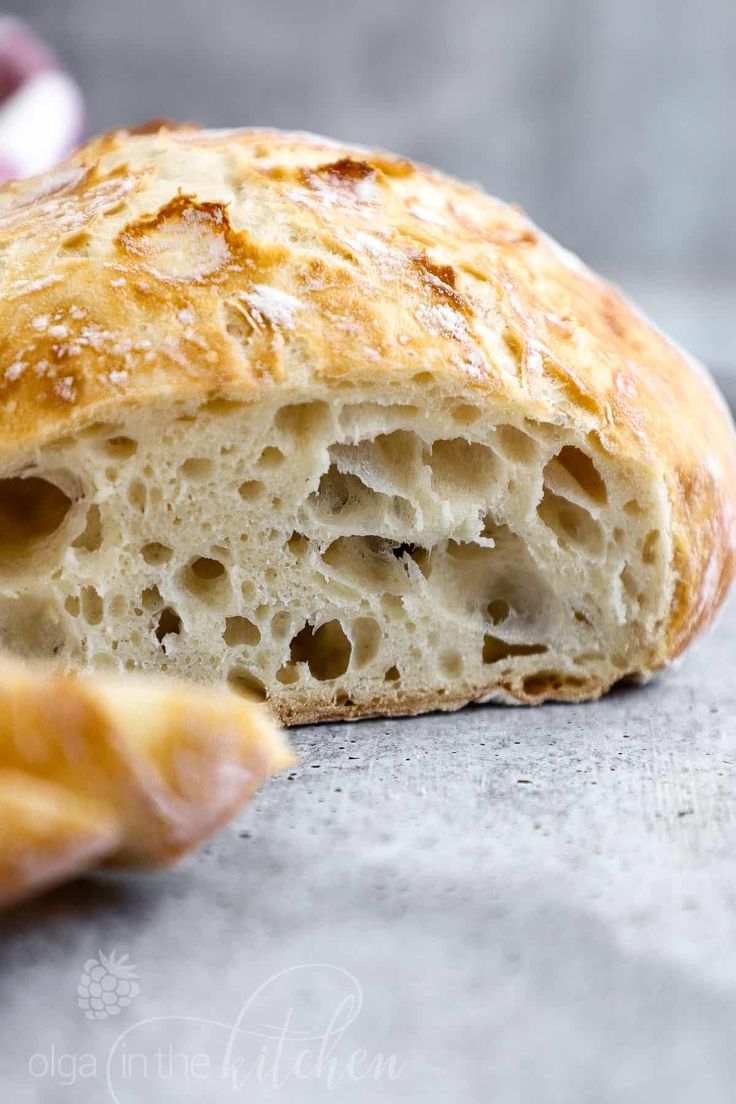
pixel 339 557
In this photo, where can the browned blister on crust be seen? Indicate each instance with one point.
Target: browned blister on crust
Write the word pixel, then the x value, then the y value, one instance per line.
pixel 350 433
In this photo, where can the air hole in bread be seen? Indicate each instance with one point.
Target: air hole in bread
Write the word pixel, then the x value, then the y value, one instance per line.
pixel 629 581
pixel 651 544
pixel 367 563
pixel 298 545
pixel 270 458
pixel 498 610
pixel 325 650
pixel 490 527
pixel 516 444
pixel 460 465
pixel 155 554
pixel 572 469
pixel 31 510
pixel 384 462
pixel 392 675
pixel 93 608
pixel 367 636
pixel 464 414
pixel 197 467
pixel 220 407
pixel 151 598
pixel 120 448
pixel 206 579
pixel 468 552
pixel 572 525
pixel 337 490
pixel 168 624
pixel 288 674
pixel 239 630
pixel 206 569
pixel 410 553
pixel 90 539
pixel 246 684
pixel 543 682
pixel 250 489
pixel 347 497
pixel 281 625
pixel 304 420
pixel 137 495
pixel 71 605
pixel 495 649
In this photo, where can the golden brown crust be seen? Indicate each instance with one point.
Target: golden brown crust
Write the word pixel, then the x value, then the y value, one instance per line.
pixel 118 770
pixel 411 704
pixel 165 264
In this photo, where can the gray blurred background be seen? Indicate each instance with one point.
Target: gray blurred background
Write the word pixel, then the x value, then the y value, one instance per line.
pixel 610 121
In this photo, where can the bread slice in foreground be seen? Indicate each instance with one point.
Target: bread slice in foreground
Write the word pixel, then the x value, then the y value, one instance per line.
pixel 119 771
pixel 341 431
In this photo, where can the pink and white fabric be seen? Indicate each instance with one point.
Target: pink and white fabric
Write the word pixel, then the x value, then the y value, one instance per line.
pixel 41 107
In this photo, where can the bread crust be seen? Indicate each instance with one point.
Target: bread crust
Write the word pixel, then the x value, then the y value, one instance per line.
pixel 118 771
pixel 118 265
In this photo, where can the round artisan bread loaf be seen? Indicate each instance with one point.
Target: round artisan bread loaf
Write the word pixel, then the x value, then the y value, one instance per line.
pixel 339 430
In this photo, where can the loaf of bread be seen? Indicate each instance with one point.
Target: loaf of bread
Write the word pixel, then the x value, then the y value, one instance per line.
pixel 125 771
pixel 341 431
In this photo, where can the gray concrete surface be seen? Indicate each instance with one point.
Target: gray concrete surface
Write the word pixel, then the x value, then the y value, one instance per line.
pixel 494 906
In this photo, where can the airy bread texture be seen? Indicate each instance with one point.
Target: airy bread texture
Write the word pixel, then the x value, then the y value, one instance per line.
pixel 341 431
pixel 128 772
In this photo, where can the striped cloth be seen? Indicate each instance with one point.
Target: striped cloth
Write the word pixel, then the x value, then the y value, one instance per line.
pixel 41 107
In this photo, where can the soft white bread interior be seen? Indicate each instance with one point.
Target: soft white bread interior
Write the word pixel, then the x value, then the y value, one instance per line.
pixel 124 771
pixel 342 432
pixel 337 555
